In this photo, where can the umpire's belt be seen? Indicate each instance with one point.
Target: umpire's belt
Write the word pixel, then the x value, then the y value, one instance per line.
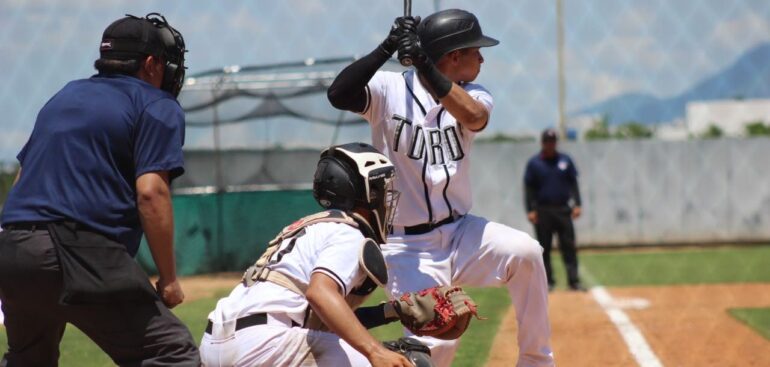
pixel 254 320
pixel 26 226
pixel 43 226
pixel 425 227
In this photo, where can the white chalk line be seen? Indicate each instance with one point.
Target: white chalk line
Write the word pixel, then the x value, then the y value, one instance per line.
pixel 632 336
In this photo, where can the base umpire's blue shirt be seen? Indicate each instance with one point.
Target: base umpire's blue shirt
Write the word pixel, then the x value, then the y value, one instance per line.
pixel 91 141
pixel 552 179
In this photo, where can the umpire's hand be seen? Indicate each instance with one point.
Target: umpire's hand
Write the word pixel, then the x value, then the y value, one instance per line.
pixel 170 292
pixel 576 212
pixel 532 216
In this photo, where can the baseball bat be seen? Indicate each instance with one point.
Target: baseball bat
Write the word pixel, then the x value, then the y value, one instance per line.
pixel 406 60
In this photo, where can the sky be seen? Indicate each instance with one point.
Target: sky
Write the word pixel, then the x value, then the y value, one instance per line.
pixel 660 47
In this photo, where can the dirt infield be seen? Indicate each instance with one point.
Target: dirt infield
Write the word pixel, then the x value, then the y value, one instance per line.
pixel 684 326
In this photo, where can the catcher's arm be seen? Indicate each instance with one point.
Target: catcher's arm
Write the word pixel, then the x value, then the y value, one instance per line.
pixel 375 316
pixel 325 297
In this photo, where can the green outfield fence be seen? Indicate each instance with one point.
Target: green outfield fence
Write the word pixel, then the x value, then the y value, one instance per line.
pixel 228 231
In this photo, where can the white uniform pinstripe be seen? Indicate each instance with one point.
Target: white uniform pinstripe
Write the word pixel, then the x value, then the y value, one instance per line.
pixel 431 151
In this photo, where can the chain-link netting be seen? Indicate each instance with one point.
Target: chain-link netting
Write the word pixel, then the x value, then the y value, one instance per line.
pixel 633 60
pixel 628 60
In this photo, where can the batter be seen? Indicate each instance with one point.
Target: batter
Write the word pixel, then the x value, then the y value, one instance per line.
pixel 425 121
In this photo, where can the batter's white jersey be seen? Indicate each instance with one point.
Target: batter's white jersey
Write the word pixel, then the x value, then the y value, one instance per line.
pixel 425 142
pixel 329 248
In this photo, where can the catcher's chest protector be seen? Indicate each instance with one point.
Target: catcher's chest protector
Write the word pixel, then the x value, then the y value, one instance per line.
pixel 370 260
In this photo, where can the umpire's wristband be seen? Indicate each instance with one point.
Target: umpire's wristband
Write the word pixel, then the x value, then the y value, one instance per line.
pixel 437 81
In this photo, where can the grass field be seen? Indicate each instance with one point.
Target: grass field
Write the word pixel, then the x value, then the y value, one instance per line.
pixel 757 318
pixel 615 268
pixel 689 266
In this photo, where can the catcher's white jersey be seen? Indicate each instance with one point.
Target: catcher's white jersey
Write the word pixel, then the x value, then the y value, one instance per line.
pixel 425 143
pixel 329 248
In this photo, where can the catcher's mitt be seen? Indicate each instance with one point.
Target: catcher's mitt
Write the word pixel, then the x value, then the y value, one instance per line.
pixel 442 312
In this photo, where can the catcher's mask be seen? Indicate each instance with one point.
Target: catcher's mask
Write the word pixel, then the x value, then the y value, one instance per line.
pixel 132 37
pixel 357 176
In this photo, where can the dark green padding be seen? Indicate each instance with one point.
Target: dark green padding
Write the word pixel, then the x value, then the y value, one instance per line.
pixel 228 231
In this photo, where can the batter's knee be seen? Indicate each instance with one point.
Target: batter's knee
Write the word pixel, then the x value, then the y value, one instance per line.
pixel 532 250
pixel 519 245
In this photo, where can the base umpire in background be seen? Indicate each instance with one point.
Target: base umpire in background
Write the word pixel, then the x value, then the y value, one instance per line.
pixel 94 176
pixel 550 182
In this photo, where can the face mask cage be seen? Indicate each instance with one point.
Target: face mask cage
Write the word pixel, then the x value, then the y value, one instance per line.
pixel 385 210
pixel 391 201
pixel 171 83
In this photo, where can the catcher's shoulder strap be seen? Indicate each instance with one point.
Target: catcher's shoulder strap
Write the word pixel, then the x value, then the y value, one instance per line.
pixel 260 271
pixel 335 216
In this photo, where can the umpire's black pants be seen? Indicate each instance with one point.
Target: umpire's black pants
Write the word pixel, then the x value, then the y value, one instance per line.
pixel 140 333
pixel 558 219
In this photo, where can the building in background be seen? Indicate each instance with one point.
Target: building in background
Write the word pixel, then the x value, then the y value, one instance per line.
pixel 729 116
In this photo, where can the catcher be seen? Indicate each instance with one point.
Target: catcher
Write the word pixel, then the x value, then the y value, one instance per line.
pixel 295 304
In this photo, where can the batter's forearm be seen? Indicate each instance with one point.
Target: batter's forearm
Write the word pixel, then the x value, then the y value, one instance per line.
pixel 348 90
pixel 468 111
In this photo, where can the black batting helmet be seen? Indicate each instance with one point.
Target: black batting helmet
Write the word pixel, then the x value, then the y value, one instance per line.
pixel 450 30
pixel 357 176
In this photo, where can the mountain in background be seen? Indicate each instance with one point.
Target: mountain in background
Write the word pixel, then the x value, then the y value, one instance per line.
pixel 747 78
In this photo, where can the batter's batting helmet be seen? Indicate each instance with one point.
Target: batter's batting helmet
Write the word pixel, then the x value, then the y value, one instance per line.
pixel 357 176
pixel 450 30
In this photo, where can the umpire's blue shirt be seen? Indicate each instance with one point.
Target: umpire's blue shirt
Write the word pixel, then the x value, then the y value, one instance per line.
pixel 91 141
pixel 553 180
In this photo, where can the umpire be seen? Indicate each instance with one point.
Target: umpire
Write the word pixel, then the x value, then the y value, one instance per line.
pixel 94 176
pixel 550 182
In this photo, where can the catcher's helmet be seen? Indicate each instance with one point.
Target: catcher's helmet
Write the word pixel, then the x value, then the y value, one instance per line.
pixel 132 37
pixel 357 176
pixel 450 30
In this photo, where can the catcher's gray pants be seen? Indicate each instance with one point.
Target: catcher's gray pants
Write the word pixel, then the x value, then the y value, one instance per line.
pixel 131 333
